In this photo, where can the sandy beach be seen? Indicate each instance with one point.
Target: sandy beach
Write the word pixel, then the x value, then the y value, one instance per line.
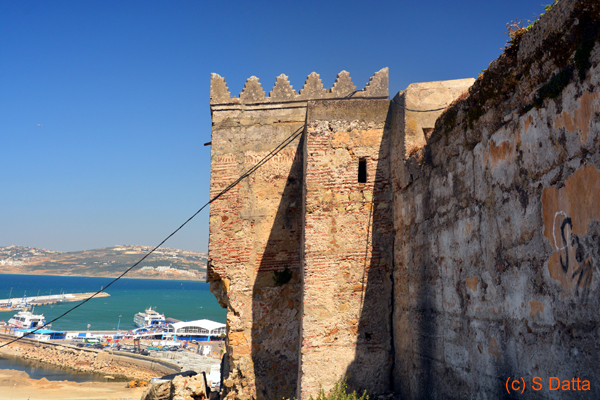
pixel 17 385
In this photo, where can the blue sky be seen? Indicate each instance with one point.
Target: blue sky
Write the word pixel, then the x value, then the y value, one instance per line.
pixel 121 89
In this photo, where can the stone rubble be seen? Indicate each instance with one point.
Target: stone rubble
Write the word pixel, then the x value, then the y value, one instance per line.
pixel 180 388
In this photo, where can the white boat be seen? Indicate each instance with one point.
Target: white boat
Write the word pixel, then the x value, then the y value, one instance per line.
pixel 26 320
pixel 149 318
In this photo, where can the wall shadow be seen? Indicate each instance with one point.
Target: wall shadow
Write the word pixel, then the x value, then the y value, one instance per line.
pixel 277 294
pixel 425 368
pixel 373 363
pixel 427 328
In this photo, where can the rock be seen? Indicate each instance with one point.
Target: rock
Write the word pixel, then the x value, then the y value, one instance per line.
pixel 189 388
pixel 160 391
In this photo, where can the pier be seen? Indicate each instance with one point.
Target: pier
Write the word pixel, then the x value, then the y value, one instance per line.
pixel 10 304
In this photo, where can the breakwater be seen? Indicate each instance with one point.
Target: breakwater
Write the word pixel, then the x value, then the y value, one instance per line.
pixel 38 370
pixel 116 364
pixel 47 299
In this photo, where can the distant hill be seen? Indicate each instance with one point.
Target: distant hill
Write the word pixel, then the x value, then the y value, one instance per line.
pixel 164 263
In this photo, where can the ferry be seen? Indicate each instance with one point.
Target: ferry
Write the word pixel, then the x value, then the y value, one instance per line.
pixel 149 318
pixel 26 320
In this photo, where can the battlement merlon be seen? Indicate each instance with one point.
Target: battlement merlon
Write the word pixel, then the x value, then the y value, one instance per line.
pixel 253 93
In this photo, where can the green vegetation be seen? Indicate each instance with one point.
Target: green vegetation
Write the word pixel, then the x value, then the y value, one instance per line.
pixel 570 54
pixel 587 38
pixel 516 30
pixel 340 392
pixel 582 58
pixel 554 87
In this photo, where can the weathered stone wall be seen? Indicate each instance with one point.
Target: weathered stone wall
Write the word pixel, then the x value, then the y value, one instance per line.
pixel 498 226
pixel 348 242
pixel 254 231
pixel 255 228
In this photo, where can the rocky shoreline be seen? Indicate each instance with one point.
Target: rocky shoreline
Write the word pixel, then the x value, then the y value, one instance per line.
pixel 79 360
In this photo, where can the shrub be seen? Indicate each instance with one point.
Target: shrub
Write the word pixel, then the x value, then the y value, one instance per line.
pixel 339 392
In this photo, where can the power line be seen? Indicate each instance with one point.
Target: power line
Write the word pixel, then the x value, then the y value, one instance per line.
pixel 266 158
pixel 398 104
pixel 408 109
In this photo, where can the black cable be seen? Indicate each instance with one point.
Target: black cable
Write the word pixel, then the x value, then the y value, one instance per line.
pixel 266 158
pixel 408 109
pixel 398 104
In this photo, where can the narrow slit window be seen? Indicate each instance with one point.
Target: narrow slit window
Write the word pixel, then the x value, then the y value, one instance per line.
pixel 362 171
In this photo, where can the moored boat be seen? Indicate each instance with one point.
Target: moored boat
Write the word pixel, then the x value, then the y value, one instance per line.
pixel 26 320
pixel 149 318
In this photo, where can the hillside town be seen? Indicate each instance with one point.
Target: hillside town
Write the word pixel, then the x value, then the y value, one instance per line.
pixel 163 263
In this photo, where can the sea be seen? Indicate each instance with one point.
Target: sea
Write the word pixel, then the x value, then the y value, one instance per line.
pixel 180 299
pixel 38 370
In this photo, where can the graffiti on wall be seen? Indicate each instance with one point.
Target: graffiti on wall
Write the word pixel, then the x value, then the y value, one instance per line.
pixel 577 255
pixel 571 225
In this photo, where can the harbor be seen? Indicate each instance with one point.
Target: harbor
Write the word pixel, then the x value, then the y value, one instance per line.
pixel 196 345
pixel 127 298
pixel 19 303
pixel 104 337
pixel 118 356
pixel 151 325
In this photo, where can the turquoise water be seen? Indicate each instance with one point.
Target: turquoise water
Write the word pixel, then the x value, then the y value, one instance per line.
pixel 183 300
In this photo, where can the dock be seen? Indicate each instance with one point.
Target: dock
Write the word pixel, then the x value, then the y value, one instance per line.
pixel 48 299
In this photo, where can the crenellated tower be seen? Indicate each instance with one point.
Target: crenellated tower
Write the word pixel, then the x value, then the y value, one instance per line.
pixel 253 93
pixel 258 261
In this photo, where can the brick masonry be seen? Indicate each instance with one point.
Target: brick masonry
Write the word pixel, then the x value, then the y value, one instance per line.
pixel 255 230
pixel 258 229
pixel 348 242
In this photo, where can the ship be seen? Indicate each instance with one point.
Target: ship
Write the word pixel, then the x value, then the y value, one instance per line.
pixel 149 318
pixel 27 320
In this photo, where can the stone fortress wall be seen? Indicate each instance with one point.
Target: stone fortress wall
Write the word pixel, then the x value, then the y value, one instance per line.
pixel 347 249
pixel 496 221
pixel 256 229
pixel 431 254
